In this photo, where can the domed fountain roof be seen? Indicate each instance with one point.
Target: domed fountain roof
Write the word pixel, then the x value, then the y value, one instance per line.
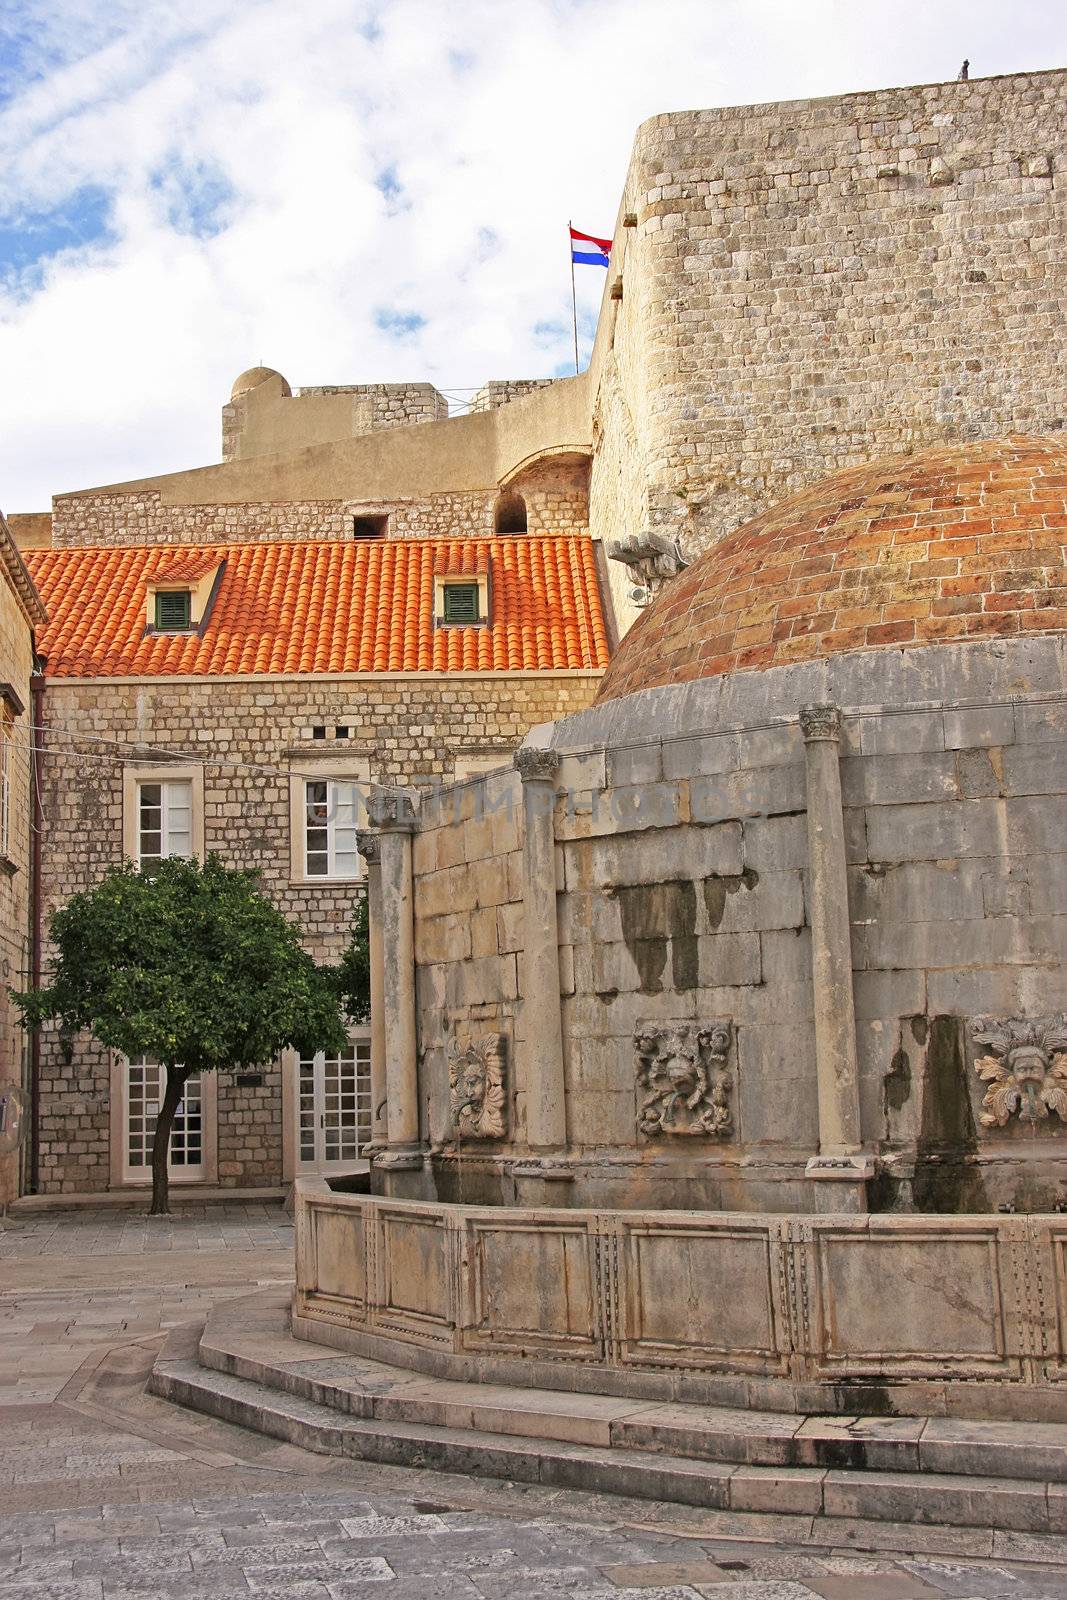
pixel 949 544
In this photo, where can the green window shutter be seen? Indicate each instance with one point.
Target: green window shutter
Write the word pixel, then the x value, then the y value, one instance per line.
pixel 461 602
pixel 173 610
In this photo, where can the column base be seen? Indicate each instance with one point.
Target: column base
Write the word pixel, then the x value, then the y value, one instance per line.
pixel 841 1181
pixel 400 1158
pixel 399 1173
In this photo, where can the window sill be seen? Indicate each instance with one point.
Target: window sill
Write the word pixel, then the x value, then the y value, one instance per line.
pixel 328 883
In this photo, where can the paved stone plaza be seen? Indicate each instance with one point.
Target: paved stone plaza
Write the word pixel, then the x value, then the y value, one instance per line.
pixel 107 1492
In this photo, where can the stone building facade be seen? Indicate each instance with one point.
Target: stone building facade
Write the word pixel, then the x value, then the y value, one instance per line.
pixel 21 613
pixel 244 742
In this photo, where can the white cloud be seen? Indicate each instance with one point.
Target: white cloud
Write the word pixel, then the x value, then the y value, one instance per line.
pixel 243 150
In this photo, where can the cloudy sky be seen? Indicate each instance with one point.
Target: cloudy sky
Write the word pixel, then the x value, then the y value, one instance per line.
pixel 358 190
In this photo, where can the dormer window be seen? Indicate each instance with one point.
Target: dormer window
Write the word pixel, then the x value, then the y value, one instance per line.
pixel 174 610
pixel 181 594
pixel 461 601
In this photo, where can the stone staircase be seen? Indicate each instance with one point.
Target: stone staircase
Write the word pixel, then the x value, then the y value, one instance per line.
pixel 833 1474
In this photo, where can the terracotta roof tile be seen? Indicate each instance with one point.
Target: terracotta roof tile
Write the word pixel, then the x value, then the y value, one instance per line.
pixel 947 544
pixel 324 607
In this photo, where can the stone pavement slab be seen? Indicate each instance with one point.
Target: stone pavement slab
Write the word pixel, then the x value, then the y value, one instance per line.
pixel 109 1494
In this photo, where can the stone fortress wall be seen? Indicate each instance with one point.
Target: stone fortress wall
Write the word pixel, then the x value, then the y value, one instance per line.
pixel 410 729
pixel 265 417
pixel 555 495
pixel 810 284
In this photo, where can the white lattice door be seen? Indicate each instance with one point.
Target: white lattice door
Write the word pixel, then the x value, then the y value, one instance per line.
pixel 144 1095
pixel 333 1107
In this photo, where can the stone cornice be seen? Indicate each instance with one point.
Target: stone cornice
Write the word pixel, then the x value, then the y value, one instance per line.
pixel 19 577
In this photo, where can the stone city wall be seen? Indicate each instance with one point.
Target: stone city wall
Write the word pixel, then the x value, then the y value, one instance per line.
pixel 501 391
pixel 557 501
pixel 249 735
pixel 250 425
pixel 956 1316
pixel 810 284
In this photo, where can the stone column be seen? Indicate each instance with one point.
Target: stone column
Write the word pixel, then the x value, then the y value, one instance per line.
pixel 840 1169
pixel 392 814
pixel 370 849
pixel 546 1105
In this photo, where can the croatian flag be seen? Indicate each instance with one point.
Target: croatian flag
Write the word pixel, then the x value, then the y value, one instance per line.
pixel 595 253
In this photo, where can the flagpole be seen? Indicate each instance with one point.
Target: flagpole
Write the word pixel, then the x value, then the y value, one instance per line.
pixel 574 295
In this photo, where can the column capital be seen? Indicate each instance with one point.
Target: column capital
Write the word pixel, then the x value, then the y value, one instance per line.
pixel 369 846
pixel 533 764
pixel 392 810
pixel 820 722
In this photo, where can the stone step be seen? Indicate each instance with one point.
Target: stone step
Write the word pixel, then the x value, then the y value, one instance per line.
pixel 789 1498
pixel 249 1338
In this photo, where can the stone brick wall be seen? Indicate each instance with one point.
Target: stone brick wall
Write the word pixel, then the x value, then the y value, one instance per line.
pixel 16 660
pixel 816 283
pixel 391 405
pixel 683 896
pixel 501 391
pixel 143 518
pixel 248 734
pixel 557 502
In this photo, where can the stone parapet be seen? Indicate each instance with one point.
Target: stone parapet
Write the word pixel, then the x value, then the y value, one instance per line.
pixel 919 1315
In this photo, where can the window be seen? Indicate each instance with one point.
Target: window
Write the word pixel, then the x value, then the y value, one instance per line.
pixel 460 603
pixel 370 527
pixel 174 610
pixel 331 817
pixel 510 513
pixel 164 821
pixel 333 1105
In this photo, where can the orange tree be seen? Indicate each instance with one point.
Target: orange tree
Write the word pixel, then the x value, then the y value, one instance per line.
pixel 192 966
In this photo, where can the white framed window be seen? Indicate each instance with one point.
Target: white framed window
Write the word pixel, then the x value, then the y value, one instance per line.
pixel 326 809
pixel 137 1093
pixel 327 1107
pixel 164 821
pixel 163 813
pixel 331 818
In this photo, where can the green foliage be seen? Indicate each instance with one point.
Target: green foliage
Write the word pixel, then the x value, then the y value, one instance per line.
pixel 191 965
pixel 352 974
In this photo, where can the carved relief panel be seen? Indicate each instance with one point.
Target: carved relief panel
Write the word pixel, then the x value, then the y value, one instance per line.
pixel 1025 1066
pixel 477 1073
pixel 683 1081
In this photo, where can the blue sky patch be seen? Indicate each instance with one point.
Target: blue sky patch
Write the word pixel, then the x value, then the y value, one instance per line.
pixel 29 238
pixel 401 324
pixel 198 200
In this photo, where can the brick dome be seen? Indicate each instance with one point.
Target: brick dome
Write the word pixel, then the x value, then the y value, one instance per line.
pixel 959 543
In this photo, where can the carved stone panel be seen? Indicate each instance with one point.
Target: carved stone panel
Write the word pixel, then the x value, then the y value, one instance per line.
pixel 478 1088
pixel 1025 1067
pixel 683 1082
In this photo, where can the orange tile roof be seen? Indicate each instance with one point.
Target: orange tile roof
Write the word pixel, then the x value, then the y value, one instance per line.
pixel 359 606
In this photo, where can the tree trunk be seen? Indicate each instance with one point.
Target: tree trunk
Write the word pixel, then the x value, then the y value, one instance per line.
pixel 172 1096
